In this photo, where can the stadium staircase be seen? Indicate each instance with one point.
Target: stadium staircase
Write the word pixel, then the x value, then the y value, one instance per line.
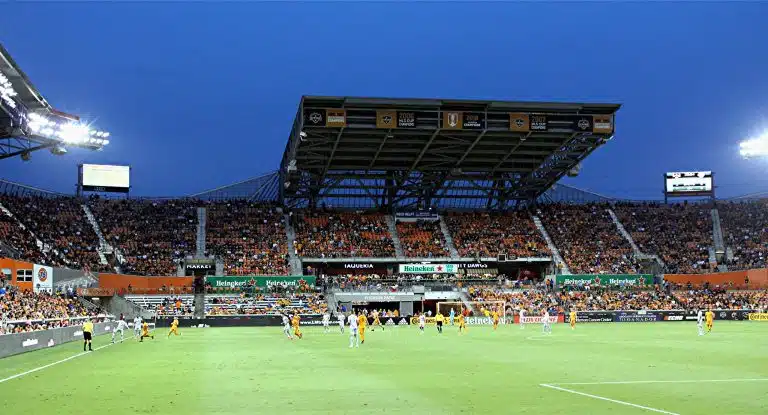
pixel 395 237
pixel 623 231
pixel 551 245
pixel 202 216
pixel 117 305
pixel 9 251
pixel 293 257
pixel 198 305
pixel 448 239
pixel 104 248
pixel 721 254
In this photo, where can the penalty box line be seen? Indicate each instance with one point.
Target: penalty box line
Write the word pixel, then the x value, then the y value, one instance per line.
pixel 37 369
pixel 603 398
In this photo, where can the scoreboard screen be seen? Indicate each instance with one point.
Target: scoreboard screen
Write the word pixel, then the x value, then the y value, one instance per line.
pixel 105 178
pixel 696 183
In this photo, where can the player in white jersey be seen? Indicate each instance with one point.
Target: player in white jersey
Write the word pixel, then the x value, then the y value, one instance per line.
pixel 137 327
pixel 422 322
pixel 546 327
pixel 700 322
pixel 326 322
pixel 522 317
pixel 354 339
pixel 121 326
pixel 340 316
pixel 287 326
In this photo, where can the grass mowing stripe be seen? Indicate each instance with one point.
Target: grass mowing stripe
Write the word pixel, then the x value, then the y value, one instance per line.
pixel 602 398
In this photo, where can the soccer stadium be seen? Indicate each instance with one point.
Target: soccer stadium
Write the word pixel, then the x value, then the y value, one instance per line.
pixel 407 256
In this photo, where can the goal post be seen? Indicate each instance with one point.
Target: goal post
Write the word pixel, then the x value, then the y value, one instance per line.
pixel 475 310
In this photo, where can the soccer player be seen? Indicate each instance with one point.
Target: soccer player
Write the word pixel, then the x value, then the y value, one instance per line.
pixel 376 321
pixel 287 326
pixel 137 327
pixel 546 328
pixel 121 326
pixel 700 322
pixel 174 327
pixel 462 324
pixel 340 316
pixel 422 322
pixel 326 322
pixel 145 332
pixel 495 316
pixel 522 317
pixel 572 318
pixel 486 313
pixel 452 315
pixel 353 339
pixel 710 317
pixel 295 323
pixel 87 334
pixel 362 322
pixel 439 318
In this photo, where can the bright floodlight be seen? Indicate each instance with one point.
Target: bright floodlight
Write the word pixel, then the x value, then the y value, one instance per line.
pixel 73 133
pixel 756 147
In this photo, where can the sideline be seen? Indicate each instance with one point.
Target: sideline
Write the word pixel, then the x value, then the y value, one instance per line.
pixel 634 382
pixel 602 398
pixel 37 369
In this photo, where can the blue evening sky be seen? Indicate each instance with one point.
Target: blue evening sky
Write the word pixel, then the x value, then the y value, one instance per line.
pixel 199 95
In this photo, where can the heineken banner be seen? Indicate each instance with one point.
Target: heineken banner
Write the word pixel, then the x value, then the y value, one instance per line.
pixel 428 268
pixel 605 279
pixel 260 281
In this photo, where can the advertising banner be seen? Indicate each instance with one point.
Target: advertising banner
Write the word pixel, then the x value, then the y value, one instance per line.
pixel 260 281
pixel 758 316
pixel 605 279
pixel 590 317
pixel 42 278
pixel 418 214
pixel 636 317
pixel 427 268
pixel 539 319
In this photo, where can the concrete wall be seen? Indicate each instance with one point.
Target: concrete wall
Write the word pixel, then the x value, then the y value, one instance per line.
pixel 11 344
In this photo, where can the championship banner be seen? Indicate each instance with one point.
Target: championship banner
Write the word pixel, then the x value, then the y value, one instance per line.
pixel 427 268
pixel 406 119
pixel 602 124
pixel 386 119
pixel 537 122
pixel 473 121
pixel 519 122
pixel 42 278
pixel 335 118
pixel 453 120
pixel 605 279
pixel 259 281
pixel 758 317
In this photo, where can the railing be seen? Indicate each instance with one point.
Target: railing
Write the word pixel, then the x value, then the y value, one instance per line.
pixel 50 320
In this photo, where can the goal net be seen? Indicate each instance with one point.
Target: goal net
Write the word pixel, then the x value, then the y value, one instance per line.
pixel 474 310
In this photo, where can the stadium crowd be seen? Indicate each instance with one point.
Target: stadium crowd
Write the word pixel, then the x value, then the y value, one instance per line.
pixel 680 234
pixel 248 236
pixel 60 222
pixel 267 304
pixel 745 231
pixel 152 235
pixel 587 238
pixel 487 234
pixel 24 311
pixel 422 238
pixel 320 234
pixel 19 242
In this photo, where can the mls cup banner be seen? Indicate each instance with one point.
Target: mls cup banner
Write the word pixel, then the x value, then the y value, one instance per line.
pixel 42 278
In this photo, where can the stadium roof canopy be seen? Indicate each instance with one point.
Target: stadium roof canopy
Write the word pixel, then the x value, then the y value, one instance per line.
pixel 430 153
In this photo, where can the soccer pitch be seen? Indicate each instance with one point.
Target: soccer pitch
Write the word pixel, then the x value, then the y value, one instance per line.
pixel 596 369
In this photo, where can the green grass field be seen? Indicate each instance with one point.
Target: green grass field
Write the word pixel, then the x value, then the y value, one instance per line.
pixel 257 370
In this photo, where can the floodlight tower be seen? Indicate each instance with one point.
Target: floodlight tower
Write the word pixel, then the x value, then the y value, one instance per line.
pixel 29 123
pixel 754 147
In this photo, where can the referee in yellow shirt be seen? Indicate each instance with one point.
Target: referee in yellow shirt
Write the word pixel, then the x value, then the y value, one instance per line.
pixel 439 320
pixel 87 334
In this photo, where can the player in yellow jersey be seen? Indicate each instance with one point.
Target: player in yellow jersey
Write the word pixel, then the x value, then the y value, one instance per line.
pixel 145 332
pixel 376 322
pixel 295 323
pixel 362 321
pixel 572 318
pixel 486 313
pixel 710 320
pixel 495 317
pixel 462 324
pixel 174 327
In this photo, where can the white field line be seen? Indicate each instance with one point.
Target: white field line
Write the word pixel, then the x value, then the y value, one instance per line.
pixel 602 398
pixel 633 382
pixel 37 369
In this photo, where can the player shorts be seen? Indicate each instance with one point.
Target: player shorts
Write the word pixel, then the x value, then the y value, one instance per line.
pixel 439 324
pixel 353 330
pixel 87 335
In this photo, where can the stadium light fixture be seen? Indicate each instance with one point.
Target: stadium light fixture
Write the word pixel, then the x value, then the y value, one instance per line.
pixel 7 93
pixel 755 147
pixel 68 132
